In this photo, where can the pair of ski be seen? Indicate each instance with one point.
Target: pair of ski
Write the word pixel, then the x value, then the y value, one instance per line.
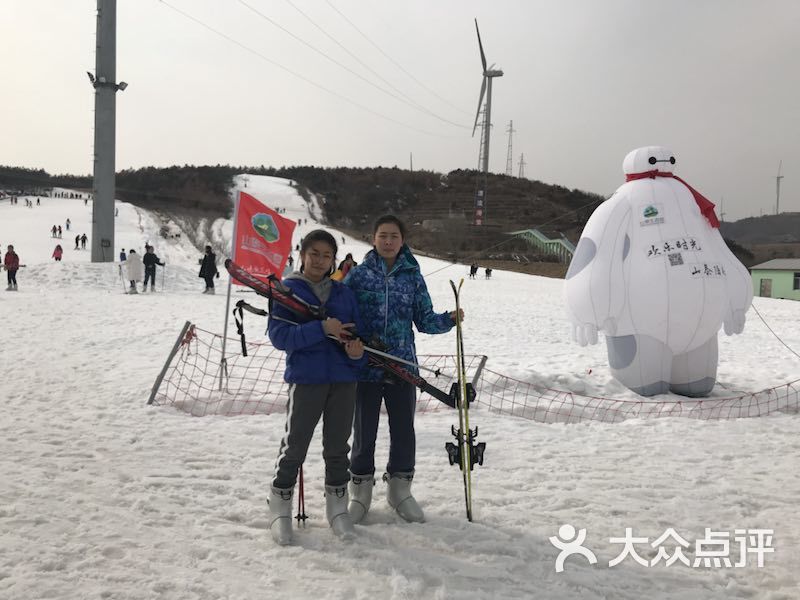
pixel 465 452
pixel 275 291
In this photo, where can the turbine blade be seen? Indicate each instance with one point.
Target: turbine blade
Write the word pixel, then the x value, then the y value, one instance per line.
pixel 480 102
pixel 483 56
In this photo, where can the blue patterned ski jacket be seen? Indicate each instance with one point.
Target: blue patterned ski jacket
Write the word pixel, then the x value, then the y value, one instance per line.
pixel 389 302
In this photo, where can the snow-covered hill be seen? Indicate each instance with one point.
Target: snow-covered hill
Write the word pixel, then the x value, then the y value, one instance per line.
pixel 104 497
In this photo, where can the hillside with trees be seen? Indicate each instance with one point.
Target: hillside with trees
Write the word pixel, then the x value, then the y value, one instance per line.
pixel 437 207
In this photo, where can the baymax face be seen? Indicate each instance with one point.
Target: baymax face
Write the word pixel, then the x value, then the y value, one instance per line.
pixel 649 158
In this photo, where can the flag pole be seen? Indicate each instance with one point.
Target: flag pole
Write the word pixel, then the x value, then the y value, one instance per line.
pixel 223 366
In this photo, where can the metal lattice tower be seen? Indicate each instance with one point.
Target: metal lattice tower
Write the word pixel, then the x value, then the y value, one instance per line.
pixel 521 166
pixel 509 159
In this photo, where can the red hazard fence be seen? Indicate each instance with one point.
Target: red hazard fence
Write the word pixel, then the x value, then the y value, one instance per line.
pixel 197 380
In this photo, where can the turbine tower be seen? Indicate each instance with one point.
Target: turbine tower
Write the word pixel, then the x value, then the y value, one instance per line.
pixel 488 75
pixel 486 88
pixel 778 189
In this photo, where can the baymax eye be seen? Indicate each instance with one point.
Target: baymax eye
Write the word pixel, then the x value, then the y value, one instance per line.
pixel 652 160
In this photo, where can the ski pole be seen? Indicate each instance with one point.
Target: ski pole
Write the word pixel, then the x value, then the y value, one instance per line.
pixel 163 272
pixel 122 279
pixel 301 515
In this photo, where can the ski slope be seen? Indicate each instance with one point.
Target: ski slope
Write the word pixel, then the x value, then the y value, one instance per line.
pixel 102 496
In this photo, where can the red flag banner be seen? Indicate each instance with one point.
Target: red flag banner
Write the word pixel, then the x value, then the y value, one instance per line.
pixel 262 239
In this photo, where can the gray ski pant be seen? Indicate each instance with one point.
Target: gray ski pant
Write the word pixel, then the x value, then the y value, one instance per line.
pixel 333 402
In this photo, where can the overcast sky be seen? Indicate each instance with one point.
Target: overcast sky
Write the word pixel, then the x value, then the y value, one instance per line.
pixel 717 81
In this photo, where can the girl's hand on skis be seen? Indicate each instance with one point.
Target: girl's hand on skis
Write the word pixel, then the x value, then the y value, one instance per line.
pixel 461 314
pixel 333 326
pixel 354 349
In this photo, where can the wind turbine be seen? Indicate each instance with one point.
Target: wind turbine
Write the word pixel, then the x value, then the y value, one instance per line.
pixel 778 189
pixel 486 88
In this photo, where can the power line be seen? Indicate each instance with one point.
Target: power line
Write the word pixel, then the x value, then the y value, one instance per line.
pixel 393 61
pixel 365 65
pixel 408 102
pixel 298 75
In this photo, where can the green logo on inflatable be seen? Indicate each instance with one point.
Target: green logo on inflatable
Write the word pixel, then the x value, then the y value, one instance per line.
pixel 265 226
pixel 650 211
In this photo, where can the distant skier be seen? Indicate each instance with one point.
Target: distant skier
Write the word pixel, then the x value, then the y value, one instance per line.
pixel 68 224
pixel 60 231
pixel 150 261
pixel 473 270
pixel 208 270
pixel 11 265
pixel 83 241
pixel 77 241
pixel 488 272
pixel 53 231
pixel 122 256
pixel 347 264
pixel 135 270
pixel 58 253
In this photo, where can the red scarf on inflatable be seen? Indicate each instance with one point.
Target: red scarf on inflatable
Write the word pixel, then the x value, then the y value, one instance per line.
pixel 706 206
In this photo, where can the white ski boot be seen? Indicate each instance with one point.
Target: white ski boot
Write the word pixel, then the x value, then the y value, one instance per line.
pixel 336 511
pixel 280 515
pixel 360 496
pixel 400 498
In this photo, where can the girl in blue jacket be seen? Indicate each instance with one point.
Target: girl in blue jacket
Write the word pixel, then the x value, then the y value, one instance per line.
pixel 322 378
pixel 391 295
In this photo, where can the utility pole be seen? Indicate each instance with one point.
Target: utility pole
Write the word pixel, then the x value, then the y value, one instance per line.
pixel 509 160
pixel 411 161
pixel 722 209
pixel 105 89
pixel 521 166
pixel 778 189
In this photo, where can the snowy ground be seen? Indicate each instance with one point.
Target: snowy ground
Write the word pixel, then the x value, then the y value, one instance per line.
pixel 104 497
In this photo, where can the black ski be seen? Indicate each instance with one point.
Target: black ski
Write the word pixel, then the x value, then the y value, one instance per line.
pixel 465 451
pixel 275 291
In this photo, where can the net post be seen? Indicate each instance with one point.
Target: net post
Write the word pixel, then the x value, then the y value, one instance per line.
pixel 479 371
pixel 172 354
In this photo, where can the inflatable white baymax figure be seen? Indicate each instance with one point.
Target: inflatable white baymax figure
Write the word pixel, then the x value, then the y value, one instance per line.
pixel 652 272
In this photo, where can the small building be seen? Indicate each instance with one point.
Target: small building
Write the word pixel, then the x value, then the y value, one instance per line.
pixel 777 278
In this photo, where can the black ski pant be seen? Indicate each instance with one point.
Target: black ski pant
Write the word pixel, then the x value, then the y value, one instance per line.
pixel 150 275
pixel 307 403
pixel 401 403
pixel 209 281
pixel 12 277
